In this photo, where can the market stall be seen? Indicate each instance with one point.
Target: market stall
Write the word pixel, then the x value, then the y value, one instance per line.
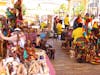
pixel 21 54
pixel 41 66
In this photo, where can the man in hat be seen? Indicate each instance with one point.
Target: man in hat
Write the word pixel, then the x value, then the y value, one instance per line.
pixel 14 37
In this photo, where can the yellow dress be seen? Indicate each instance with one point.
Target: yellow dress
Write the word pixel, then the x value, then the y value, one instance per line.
pixel 59 28
pixel 43 25
pixel 66 21
pixel 77 33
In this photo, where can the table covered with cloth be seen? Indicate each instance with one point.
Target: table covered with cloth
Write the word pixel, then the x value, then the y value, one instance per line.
pixel 51 68
pixel 49 64
pixel 41 66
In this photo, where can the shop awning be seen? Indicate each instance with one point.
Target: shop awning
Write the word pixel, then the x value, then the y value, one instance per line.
pixel 3 3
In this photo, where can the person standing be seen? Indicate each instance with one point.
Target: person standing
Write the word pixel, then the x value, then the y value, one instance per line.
pixel 77 21
pixel 59 29
pixel 87 19
pixel 56 20
pixel 66 22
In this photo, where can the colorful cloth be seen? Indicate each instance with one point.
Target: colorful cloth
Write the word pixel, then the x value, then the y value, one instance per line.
pixel 25 55
pixel 80 20
pixel 95 25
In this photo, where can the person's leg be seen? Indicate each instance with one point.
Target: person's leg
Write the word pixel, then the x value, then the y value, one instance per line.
pixel 65 26
pixel 70 43
pixel 59 37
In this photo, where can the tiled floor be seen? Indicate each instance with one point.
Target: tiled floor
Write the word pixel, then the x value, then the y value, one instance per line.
pixel 64 65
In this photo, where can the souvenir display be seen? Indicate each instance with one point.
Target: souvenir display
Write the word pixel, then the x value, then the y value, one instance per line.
pixel 23 58
pixel 12 65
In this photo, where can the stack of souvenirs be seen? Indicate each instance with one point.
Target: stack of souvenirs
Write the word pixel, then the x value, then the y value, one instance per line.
pixel 24 61
pixel 88 51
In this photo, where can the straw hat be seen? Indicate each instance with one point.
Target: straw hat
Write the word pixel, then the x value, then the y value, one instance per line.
pixel 17 29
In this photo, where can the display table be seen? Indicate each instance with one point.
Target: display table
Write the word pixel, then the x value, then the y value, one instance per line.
pixel 51 68
pixel 41 66
pixel 49 64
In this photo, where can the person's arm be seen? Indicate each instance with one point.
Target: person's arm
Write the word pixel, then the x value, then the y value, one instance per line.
pixel 5 38
pixel 85 35
pixel 13 37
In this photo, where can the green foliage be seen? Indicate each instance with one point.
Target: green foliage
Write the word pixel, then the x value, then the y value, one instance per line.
pixel 62 7
pixel 23 9
pixel 79 9
pixel 56 11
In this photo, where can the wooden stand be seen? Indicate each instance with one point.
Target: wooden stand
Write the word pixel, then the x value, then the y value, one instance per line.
pixel 3 48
